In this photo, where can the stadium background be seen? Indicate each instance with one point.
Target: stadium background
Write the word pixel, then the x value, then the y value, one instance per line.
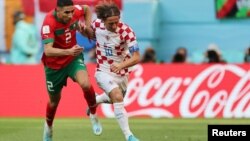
pixel 155 90
pixel 168 24
pixel 169 101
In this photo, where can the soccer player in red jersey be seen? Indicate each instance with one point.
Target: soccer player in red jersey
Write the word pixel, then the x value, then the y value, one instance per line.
pixel 62 58
pixel 116 50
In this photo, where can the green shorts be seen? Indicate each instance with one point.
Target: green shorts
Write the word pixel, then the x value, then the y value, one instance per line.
pixel 56 79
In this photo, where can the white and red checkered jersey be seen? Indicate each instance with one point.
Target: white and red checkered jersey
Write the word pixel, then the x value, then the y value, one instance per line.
pixel 113 46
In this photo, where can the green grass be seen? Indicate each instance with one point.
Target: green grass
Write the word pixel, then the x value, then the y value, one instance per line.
pixel 75 129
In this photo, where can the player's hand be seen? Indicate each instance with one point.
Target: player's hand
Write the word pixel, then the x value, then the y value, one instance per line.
pixel 86 31
pixel 75 50
pixel 116 67
pixel 80 27
pixel 89 32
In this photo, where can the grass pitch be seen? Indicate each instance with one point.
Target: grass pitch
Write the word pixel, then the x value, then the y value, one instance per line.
pixel 75 129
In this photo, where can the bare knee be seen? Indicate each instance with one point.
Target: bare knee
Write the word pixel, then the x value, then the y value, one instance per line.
pixel 84 85
pixel 116 95
pixel 83 80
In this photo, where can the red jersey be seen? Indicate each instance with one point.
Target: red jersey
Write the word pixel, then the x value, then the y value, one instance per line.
pixel 62 36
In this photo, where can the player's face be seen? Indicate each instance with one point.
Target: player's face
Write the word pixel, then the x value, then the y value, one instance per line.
pixel 65 13
pixel 111 23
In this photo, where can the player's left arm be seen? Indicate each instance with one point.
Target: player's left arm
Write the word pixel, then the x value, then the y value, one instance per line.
pixel 87 16
pixel 130 39
pixel 135 59
pixel 86 29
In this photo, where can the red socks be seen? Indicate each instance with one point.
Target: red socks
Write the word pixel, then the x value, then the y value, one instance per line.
pixel 50 114
pixel 89 96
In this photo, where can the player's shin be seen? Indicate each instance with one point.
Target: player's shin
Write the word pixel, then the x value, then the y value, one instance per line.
pixel 122 118
pixel 50 114
pixel 89 95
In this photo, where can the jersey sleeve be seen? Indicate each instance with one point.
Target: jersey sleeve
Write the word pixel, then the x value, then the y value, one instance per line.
pixel 47 31
pixel 79 11
pixel 130 38
pixel 96 24
pixel 128 35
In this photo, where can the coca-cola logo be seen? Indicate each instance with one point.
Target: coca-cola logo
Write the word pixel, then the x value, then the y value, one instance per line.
pixel 221 90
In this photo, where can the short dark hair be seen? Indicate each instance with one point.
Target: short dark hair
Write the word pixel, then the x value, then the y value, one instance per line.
pixel 62 3
pixel 178 58
pixel 213 56
pixel 17 16
pixel 105 10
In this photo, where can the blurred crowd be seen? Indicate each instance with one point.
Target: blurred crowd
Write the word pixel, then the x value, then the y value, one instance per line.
pixel 212 54
pixel 25 41
pixel 27 48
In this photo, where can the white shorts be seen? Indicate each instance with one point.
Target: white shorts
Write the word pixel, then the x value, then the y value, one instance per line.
pixel 108 82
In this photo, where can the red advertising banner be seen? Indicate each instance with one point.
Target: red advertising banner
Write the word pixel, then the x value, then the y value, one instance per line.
pixel 154 90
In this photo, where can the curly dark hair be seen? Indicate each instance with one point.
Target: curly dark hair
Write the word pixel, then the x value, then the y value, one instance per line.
pixel 105 10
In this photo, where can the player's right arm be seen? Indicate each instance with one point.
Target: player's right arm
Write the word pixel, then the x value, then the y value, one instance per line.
pixel 48 38
pixel 50 51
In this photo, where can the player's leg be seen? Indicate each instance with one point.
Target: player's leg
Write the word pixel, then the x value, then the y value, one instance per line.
pixel 52 107
pixel 103 98
pixel 55 79
pixel 121 113
pixel 117 95
pixel 89 94
pixel 83 80
pixel 102 82
pixel 110 85
pixel 50 114
pixel 100 98
pixel 78 73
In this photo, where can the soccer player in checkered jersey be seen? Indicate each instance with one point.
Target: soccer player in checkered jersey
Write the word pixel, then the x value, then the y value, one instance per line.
pixel 62 58
pixel 117 50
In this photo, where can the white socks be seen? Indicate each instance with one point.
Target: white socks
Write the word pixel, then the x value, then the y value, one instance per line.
pixel 122 118
pixel 120 113
pixel 102 98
